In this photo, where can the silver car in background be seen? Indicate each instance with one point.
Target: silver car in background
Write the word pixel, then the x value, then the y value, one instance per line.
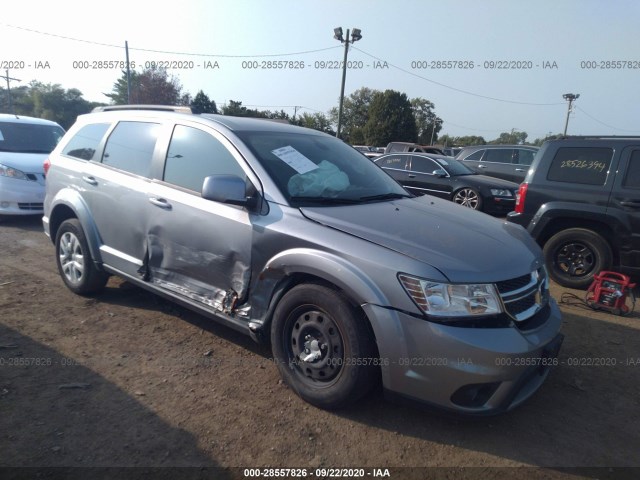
pixel 296 239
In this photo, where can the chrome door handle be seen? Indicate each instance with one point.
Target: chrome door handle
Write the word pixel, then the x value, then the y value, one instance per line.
pixel 631 203
pixel 411 175
pixel 90 180
pixel 160 202
pixel 482 166
pixel 520 170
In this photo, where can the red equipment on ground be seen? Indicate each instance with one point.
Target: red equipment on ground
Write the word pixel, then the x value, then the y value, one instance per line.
pixel 609 291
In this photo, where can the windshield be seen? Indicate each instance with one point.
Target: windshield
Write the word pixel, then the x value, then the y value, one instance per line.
pixel 454 167
pixel 320 170
pixel 29 137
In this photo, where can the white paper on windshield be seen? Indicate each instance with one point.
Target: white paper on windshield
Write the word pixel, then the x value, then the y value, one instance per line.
pixel 294 159
pixel 1 137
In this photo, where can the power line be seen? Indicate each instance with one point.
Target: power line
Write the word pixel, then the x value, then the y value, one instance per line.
pixel 602 123
pixel 91 42
pixel 454 88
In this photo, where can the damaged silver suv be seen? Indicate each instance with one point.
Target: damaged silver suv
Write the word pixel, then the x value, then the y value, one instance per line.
pixel 293 237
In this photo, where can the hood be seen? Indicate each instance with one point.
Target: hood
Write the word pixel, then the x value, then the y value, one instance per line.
pixel 465 245
pixel 27 162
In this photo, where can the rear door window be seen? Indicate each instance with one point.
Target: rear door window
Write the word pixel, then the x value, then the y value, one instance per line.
pixel 398 162
pixel 584 165
pixel 499 155
pixel 130 147
pixel 524 157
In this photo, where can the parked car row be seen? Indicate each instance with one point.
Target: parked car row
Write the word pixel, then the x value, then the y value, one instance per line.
pixel 296 239
pixel 444 177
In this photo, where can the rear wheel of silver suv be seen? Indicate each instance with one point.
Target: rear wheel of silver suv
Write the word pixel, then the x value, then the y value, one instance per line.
pixel 575 255
pixel 74 261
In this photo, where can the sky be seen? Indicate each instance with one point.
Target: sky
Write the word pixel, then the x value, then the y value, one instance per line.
pixel 489 66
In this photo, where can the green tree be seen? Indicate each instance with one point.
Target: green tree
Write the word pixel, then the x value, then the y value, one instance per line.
pixel 49 101
pixel 470 140
pixel 20 103
pixel 355 114
pixel 236 109
pixel 202 104
pixel 539 141
pixel 514 137
pixel 317 121
pixel 153 86
pixel 390 119
pixel 427 122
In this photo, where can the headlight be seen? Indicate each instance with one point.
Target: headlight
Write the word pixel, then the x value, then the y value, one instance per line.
pixel 452 300
pixel 501 192
pixel 11 172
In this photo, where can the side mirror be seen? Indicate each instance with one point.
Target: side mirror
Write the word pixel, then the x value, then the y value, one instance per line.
pixel 439 173
pixel 229 189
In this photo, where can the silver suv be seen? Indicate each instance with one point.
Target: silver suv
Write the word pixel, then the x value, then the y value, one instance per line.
pixel 293 237
pixel 509 162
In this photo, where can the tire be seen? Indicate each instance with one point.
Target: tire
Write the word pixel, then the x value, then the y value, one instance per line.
pixel 75 265
pixel 575 255
pixel 323 321
pixel 468 197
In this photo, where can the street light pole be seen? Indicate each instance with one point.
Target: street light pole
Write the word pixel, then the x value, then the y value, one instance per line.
pixel 355 36
pixel 570 97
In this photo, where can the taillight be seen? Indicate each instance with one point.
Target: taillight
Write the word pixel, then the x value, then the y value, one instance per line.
pixel 520 197
pixel 46 165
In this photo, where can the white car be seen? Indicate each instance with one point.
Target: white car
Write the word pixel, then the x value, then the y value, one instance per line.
pixel 25 143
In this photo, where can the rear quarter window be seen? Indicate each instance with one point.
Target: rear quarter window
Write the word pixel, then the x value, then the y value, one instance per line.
pixel 475 156
pixel 84 144
pixel 632 177
pixel 584 165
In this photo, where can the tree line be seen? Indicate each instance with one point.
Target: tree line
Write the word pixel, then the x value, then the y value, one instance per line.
pixel 369 117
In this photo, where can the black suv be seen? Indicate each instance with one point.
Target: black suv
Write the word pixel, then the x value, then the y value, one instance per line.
pixel 581 202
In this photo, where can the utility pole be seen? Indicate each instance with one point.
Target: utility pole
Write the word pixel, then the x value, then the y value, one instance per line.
pixel 8 79
pixel 355 36
pixel 570 97
pixel 126 49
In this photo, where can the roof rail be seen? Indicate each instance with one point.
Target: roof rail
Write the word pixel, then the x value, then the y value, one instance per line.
pixel 583 137
pixel 165 108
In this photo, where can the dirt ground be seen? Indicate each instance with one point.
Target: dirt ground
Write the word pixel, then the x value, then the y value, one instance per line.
pixel 127 379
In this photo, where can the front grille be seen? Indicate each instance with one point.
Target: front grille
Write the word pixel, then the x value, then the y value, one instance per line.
pixel 514 283
pixel 523 297
pixel 30 206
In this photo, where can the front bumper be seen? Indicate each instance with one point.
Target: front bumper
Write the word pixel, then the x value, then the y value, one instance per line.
pixel 475 371
pixel 20 197
pixel 499 205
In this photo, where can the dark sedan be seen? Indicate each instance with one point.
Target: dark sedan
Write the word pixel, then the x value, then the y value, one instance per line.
pixel 448 178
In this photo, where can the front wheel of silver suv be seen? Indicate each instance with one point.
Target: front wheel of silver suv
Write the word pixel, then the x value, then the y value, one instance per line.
pixel 74 261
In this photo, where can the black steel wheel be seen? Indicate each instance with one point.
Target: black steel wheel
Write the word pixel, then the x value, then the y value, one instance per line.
pixel 74 261
pixel 575 255
pixel 324 349
pixel 468 197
